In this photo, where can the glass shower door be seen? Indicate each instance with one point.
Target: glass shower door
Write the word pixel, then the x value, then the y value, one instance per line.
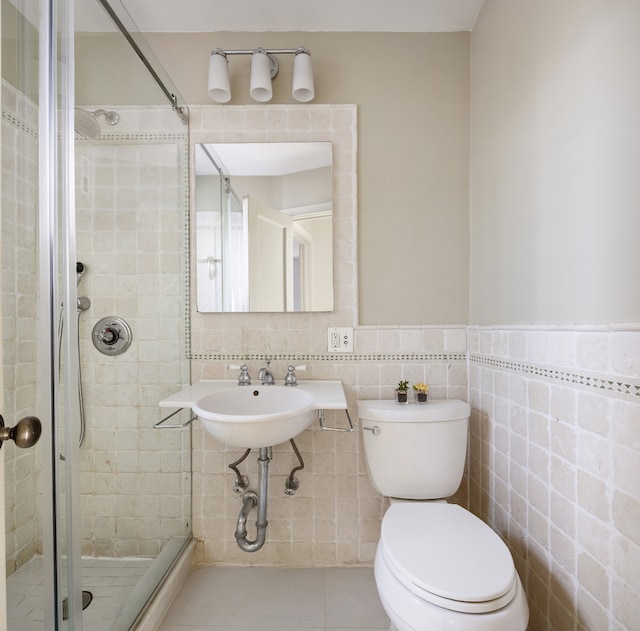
pixel 37 139
pixel 132 235
pixel 126 188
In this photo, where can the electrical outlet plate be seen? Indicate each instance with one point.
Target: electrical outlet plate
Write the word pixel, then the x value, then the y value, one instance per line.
pixel 340 339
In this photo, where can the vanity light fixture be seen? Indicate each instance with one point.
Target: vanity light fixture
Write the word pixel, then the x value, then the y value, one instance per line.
pixel 264 68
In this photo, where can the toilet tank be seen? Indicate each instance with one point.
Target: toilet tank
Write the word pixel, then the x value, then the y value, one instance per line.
pixel 415 451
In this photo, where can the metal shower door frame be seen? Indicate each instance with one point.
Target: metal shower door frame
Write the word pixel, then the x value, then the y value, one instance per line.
pixel 56 241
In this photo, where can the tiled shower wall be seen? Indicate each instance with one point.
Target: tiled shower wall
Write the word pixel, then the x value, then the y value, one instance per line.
pixel 19 304
pixel 131 219
pixel 555 464
pixel 334 518
pixel 132 215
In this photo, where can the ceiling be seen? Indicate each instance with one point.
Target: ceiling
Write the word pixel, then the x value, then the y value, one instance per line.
pixel 287 15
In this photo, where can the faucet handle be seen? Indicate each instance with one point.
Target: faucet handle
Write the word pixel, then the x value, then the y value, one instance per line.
pixel 291 379
pixel 244 379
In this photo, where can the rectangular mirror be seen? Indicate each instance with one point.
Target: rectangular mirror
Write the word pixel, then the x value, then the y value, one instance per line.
pixel 264 228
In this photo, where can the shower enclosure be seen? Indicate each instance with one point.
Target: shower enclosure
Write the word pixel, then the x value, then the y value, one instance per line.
pixel 94 233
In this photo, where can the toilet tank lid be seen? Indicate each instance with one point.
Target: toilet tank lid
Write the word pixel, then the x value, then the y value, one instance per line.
pixel 435 410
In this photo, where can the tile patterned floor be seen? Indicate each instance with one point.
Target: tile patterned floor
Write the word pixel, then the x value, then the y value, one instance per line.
pixel 109 580
pixel 254 599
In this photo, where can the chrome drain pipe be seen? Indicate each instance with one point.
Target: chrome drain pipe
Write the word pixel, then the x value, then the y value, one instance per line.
pixel 251 499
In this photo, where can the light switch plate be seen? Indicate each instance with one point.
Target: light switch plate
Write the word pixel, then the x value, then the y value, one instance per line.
pixel 340 339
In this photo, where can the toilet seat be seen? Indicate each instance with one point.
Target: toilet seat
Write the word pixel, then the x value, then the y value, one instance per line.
pixel 447 556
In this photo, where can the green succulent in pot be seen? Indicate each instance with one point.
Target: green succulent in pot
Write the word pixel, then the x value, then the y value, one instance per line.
pixel 401 392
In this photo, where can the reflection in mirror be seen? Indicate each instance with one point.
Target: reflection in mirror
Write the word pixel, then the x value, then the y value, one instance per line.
pixel 264 227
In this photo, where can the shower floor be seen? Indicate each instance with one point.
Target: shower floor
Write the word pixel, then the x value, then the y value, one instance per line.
pixel 111 581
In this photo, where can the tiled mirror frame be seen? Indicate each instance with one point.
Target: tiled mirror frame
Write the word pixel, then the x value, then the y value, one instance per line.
pixel 285 123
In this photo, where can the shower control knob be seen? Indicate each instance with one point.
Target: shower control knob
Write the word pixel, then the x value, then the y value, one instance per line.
pixel 111 335
pixel 26 432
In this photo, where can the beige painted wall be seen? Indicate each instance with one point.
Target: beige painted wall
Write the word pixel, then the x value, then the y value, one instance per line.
pixel 412 92
pixel 108 72
pixel 554 162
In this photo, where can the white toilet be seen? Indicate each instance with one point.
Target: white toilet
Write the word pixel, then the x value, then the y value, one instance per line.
pixel 437 565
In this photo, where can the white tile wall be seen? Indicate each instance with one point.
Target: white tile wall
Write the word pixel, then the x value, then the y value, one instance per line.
pixel 334 518
pixel 555 464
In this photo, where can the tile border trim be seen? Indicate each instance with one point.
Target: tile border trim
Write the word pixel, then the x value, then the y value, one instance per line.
pixel 333 357
pixel 564 376
pixel 17 123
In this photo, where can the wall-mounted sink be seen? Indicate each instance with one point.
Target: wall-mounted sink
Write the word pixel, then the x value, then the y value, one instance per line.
pixel 257 416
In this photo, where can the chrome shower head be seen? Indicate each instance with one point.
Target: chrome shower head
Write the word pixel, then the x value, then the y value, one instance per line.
pixel 109 115
pixel 86 123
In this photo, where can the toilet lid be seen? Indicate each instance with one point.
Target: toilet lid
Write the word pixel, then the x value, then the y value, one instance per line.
pixel 448 556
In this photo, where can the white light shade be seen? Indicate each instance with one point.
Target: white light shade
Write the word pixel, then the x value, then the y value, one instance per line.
pixel 219 86
pixel 303 89
pixel 260 88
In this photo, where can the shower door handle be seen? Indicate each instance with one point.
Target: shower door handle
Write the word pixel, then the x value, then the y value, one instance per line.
pixel 25 433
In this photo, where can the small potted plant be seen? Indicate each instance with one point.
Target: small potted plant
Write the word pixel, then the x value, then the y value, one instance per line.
pixel 401 392
pixel 421 392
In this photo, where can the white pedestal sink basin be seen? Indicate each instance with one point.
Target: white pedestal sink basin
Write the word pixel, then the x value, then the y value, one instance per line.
pixel 257 416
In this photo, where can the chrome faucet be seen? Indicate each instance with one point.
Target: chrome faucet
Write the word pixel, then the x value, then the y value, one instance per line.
pixel 266 376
